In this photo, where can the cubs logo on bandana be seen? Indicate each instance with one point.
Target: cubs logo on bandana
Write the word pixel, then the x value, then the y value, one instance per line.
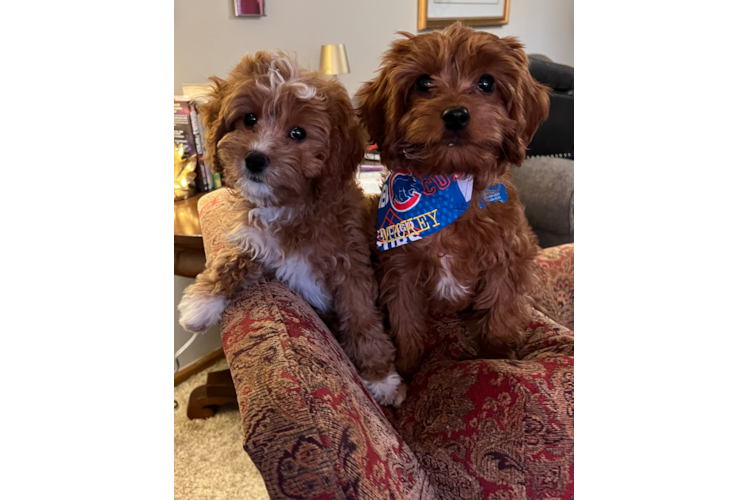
pixel 404 192
pixel 411 208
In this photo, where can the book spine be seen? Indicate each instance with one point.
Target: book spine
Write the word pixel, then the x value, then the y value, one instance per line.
pixel 206 179
pixel 201 130
pixel 183 129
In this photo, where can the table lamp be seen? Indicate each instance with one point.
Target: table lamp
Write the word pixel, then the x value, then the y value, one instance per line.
pixel 333 60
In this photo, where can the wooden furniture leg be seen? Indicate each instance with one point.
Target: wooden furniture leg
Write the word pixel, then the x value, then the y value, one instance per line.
pixel 219 390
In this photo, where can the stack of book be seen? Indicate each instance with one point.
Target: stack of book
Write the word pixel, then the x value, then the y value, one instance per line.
pixel 188 130
pixel 369 178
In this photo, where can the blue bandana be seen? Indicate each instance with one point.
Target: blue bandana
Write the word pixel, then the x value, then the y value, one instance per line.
pixel 411 208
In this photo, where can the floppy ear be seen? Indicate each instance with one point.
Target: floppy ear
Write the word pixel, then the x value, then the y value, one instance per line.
pixel 372 98
pixel 213 125
pixel 528 104
pixel 381 101
pixel 348 142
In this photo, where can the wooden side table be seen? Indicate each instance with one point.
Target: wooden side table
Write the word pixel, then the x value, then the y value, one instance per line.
pixel 189 254
pixel 189 261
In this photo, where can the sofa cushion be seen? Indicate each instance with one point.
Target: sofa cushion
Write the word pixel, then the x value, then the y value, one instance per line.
pixel 546 189
pixel 496 428
pixel 486 428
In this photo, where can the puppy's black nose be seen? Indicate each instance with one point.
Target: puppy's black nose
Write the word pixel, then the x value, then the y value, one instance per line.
pixel 256 162
pixel 456 118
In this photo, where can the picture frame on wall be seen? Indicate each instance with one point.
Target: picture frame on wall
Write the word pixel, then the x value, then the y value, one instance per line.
pixel 442 13
pixel 249 8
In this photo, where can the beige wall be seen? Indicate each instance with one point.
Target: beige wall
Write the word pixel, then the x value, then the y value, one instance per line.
pixel 209 40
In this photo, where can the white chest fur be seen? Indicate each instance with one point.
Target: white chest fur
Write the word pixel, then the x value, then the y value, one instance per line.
pixel 448 286
pixel 294 269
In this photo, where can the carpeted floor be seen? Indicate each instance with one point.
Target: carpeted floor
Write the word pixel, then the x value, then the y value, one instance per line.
pixel 209 462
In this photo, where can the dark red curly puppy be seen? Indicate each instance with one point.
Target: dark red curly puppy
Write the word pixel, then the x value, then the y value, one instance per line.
pixel 447 106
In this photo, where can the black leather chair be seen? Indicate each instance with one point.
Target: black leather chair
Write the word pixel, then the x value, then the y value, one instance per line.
pixel 546 180
pixel 555 137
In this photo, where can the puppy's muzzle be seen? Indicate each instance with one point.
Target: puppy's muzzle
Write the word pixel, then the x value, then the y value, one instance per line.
pixel 256 162
pixel 456 118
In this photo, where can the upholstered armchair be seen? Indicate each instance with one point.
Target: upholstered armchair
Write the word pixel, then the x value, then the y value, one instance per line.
pixel 469 428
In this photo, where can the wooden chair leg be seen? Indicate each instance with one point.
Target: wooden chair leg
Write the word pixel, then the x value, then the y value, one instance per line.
pixel 219 390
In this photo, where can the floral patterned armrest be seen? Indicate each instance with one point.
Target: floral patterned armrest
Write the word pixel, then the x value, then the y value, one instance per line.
pixel 310 426
pixel 212 208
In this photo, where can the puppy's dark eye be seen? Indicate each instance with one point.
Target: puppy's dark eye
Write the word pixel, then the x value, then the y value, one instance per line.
pixel 250 119
pixel 485 83
pixel 424 83
pixel 297 134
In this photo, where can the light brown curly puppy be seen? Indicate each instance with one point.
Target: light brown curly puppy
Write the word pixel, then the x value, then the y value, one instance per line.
pixel 288 145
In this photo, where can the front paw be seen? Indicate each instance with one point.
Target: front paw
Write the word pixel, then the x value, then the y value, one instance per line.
pixel 389 391
pixel 200 311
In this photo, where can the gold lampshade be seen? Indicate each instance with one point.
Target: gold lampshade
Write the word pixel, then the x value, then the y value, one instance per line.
pixel 333 60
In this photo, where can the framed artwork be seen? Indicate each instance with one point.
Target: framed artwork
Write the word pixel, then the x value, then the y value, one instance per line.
pixel 442 13
pixel 253 8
